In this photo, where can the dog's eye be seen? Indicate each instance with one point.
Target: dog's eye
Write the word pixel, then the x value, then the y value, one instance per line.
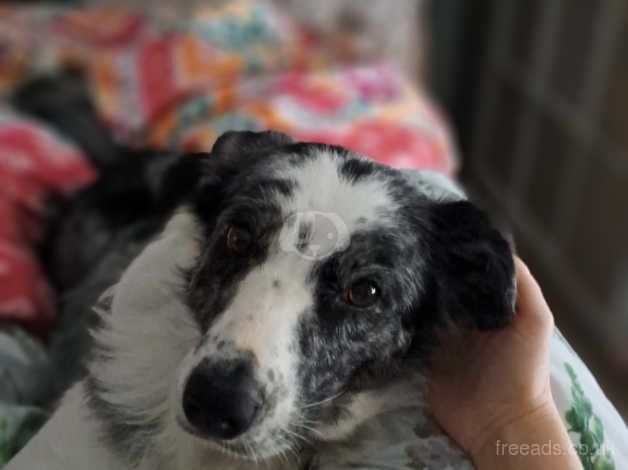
pixel 238 240
pixel 362 293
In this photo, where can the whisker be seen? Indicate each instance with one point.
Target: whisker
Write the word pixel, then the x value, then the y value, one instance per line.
pixel 304 420
pixel 323 401
pixel 293 451
pixel 281 443
pixel 296 435
pixel 308 428
pixel 290 447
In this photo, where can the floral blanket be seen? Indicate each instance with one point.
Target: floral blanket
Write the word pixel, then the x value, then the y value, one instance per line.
pixel 169 80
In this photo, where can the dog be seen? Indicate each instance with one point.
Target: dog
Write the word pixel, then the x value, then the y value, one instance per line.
pixel 277 295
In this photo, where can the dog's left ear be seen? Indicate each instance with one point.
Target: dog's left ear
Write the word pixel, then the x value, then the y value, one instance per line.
pixel 472 264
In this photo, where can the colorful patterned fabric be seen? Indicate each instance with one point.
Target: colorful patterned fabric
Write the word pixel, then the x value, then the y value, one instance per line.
pixel 141 63
pixel 179 81
pixel 210 50
pixel 35 164
pixel 370 109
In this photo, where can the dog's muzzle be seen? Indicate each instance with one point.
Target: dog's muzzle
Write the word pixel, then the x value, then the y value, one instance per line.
pixel 221 400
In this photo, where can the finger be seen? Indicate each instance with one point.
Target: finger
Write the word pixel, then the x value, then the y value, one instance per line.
pixel 531 304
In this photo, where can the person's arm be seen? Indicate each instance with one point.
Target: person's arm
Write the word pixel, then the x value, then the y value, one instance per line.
pixel 538 439
pixel 491 391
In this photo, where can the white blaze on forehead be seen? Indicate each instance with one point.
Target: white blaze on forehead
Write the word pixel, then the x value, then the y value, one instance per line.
pixel 265 310
pixel 322 188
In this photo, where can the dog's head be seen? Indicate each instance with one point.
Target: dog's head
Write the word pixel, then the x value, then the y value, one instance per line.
pixel 319 276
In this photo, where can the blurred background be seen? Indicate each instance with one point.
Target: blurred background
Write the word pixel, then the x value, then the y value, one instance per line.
pixel 533 120
pixel 537 92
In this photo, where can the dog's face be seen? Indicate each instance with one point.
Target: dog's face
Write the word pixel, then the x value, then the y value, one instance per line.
pixel 320 276
pixel 308 281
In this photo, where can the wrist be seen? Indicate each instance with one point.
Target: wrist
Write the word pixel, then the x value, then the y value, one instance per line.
pixel 522 426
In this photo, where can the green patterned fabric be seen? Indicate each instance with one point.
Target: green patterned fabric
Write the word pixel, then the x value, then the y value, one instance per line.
pixel 25 381
pixel 583 421
pixel 17 426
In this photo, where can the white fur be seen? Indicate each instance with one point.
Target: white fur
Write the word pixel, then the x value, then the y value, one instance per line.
pixel 321 188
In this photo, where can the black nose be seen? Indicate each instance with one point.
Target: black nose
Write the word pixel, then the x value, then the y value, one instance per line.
pixel 221 399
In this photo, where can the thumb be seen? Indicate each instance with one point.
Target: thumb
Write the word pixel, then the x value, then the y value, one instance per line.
pixel 532 309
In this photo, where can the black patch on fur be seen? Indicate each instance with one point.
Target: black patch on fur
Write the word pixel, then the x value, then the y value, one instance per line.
pixel 62 99
pixel 177 179
pixel 356 169
pixel 245 144
pixel 140 191
pixel 135 185
pixel 472 266
pixel 344 348
pixel 218 272
pixel 233 169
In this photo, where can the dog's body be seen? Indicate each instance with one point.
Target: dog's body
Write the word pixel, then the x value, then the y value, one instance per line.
pixel 290 294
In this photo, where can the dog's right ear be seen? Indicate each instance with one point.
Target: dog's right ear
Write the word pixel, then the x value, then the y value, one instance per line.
pixel 172 177
pixel 238 146
pixel 178 177
pixel 232 152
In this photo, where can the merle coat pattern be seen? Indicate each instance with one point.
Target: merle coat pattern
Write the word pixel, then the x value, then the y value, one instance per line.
pixel 285 293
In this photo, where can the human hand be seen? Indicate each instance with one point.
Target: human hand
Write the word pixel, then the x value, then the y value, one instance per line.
pixel 482 382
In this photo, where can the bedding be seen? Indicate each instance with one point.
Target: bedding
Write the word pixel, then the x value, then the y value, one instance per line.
pixel 35 166
pixel 168 80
